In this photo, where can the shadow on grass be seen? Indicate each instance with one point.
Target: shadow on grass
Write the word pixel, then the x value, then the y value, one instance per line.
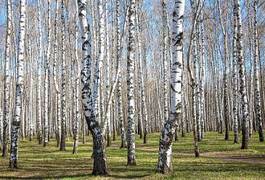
pixel 37 162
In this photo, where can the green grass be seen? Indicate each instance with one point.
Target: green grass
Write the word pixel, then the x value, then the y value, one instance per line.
pixel 219 160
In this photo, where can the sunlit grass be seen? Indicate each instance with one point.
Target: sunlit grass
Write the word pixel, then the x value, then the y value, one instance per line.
pixel 219 160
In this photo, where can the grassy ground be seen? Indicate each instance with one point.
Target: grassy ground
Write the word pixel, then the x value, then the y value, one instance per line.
pixel 219 160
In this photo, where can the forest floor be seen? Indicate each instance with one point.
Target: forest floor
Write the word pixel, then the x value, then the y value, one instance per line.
pixel 219 159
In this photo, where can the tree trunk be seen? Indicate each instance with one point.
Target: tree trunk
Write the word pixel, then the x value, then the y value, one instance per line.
pixel 6 106
pixel 63 95
pixel 77 87
pixel 130 85
pixel 39 83
pixel 58 94
pixel 257 100
pixel 46 82
pixel 225 80
pixel 100 162
pixel 19 89
pixel 167 134
pixel 165 62
pixel 242 77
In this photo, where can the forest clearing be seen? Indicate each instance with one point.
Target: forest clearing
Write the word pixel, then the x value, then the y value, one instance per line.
pixel 132 89
pixel 218 159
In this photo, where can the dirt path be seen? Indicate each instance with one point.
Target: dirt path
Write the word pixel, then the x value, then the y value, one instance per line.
pixel 251 159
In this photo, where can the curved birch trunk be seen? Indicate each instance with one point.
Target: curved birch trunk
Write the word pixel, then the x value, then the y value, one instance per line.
pixel 100 161
pixel 119 88
pixel 143 108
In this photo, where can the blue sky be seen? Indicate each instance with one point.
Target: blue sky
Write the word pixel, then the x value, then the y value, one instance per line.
pixel 2 15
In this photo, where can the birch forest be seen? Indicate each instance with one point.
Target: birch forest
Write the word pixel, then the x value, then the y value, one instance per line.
pixel 132 89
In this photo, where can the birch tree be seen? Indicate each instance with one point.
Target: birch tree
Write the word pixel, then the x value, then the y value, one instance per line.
pixel 119 88
pixel 46 81
pixel 235 80
pixel 63 95
pixel 39 84
pixel 192 73
pixel 6 106
pixel 225 80
pixel 15 126
pixel 102 51
pixel 100 161
pixel 257 100
pixel 130 84
pixel 77 84
pixel 165 62
pixel 165 144
pixel 242 77
pixel 58 93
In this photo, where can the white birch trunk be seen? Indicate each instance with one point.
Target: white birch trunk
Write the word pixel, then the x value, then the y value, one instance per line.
pixel 58 93
pixel 39 83
pixel 235 82
pixel 77 86
pixel 102 51
pixel 63 95
pixel 257 100
pixel 130 84
pixel 15 127
pixel 46 82
pixel 242 77
pixel 119 88
pixel 225 80
pixel 165 61
pixel 108 113
pixel 6 105
pixel 100 161
pixel 165 145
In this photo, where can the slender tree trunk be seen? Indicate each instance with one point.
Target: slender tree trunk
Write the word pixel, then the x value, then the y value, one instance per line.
pixel 39 83
pixel 63 95
pixel 165 62
pixel 101 56
pixel 130 85
pixel 46 82
pixel 108 59
pixel 58 94
pixel 192 45
pixel 225 80
pixel 257 101
pixel 19 89
pixel 202 77
pixel 119 88
pixel 6 106
pixel 196 67
pixel 235 82
pixel 77 86
pixel 242 77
